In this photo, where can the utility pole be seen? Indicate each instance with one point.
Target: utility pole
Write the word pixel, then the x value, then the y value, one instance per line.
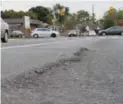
pixel 93 12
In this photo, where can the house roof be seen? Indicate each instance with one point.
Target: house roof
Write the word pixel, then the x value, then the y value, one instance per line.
pixel 14 21
pixel 20 20
pixel 32 21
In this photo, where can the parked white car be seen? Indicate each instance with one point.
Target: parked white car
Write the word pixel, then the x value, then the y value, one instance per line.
pixel 72 33
pixel 91 33
pixel 17 33
pixel 44 32
pixel 4 31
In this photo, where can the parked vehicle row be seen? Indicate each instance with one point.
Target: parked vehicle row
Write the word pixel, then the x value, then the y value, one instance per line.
pixel 36 33
pixel 46 32
pixel 74 33
pixel 114 30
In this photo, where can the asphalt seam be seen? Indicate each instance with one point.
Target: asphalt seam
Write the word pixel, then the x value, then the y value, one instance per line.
pixel 33 45
pixel 43 44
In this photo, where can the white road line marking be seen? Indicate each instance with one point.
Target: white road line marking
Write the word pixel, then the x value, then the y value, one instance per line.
pixel 115 37
pixel 43 44
pixel 89 38
pixel 33 45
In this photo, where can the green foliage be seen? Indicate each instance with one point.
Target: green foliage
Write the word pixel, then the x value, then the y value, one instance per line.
pixel 120 14
pixel 82 16
pixel 70 22
pixel 43 14
pixel 112 19
pixel 60 18
pixel 49 19
pixel 108 20
pixel 31 14
pixel 108 23
pixel 15 14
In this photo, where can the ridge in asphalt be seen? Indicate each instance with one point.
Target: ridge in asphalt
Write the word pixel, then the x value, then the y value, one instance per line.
pixel 89 77
pixel 12 89
pixel 25 78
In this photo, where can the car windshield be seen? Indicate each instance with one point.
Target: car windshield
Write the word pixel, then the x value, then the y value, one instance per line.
pixel 43 29
pixel 61 51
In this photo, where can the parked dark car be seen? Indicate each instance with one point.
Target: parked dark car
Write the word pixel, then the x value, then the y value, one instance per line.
pixel 115 30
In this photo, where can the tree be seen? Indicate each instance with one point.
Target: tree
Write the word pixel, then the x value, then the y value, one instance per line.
pixel 108 20
pixel 108 23
pixel 79 20
pixel 8 14
pixel 100 23
pixel 31 14
pixel 43 14
pixel 15 14
pixel 82 15
pixel 112 18
pixel 120 17
pixel 120 14
pixel 56 10
pixel 70 22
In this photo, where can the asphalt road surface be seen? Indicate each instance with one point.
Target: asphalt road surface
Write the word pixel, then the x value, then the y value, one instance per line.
pixel 21 55
pixel 95 77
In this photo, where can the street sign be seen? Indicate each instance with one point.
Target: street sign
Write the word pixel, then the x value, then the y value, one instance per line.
pixel 53 21
pixel 111 10
pixel 62 11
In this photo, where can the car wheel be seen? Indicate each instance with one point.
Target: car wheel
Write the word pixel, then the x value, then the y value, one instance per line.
pixel 5 38
pixel 74 35
pixel 53 35
pixel 35 36
pixel 121 33
pixel 20 36
pixel 69 35
pixel 103 34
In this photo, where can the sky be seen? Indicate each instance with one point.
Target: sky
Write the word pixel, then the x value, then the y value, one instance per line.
pixel 74 5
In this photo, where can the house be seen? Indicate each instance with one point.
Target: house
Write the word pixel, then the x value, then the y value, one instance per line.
pixel 18 24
